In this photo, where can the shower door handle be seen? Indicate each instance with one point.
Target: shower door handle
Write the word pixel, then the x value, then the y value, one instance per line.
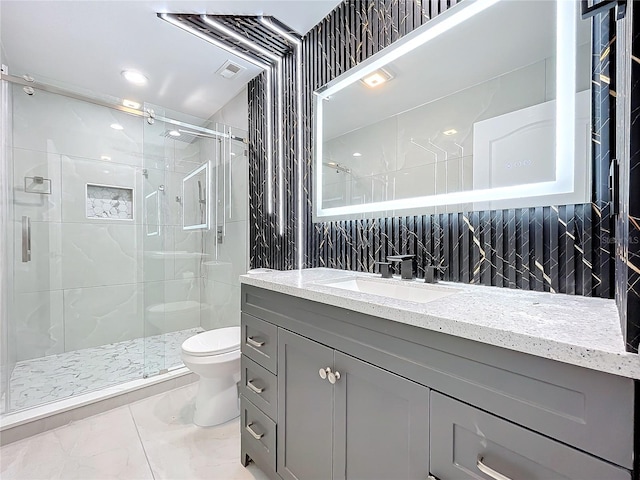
pixel 26 239
pixel 229 148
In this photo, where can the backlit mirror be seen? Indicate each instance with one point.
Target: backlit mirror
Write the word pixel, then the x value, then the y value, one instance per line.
pixel 485 107
pixel 195 198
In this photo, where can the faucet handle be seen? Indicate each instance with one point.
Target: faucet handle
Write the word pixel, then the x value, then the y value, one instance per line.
pixel 431 273
pixel 385 269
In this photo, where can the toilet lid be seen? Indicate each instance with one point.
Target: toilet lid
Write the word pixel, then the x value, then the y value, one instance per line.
pixel 213 342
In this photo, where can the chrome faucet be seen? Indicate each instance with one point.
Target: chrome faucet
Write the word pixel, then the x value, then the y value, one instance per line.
pixel 406 265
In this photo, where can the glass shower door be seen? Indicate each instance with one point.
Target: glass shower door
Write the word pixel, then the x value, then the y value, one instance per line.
pixel 74 324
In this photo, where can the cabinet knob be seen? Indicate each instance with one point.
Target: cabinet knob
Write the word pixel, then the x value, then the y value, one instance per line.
pixel 333 377
pixel 323 372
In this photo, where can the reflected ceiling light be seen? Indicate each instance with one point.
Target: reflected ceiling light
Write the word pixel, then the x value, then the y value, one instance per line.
pixel 357 154
pixel 105 157
pixel 451 131
pixel 131 104
pixel 134 77
pixel 117 126
pixel 376 78
pixel 174 133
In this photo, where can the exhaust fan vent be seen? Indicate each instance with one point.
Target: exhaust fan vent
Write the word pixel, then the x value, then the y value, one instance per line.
pixel 229 69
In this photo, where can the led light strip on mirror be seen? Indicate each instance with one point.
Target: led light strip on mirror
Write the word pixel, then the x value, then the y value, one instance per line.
pixel 565 105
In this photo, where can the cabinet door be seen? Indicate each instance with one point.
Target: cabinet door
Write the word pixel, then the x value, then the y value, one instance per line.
pixel 305 409
pixel 381 424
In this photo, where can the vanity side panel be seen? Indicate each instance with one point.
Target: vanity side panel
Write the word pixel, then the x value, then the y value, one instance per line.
pixel 565 402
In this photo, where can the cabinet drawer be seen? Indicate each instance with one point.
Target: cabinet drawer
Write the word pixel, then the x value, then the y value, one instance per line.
pixel 260 386
pixel 260 342
pixel 258 434
pixel 466 441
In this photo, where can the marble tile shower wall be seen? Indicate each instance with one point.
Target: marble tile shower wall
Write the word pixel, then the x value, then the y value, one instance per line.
pixel 91 281
pixel 227 259
pixel 566 249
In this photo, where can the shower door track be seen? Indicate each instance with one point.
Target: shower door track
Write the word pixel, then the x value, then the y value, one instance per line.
pixel 114 106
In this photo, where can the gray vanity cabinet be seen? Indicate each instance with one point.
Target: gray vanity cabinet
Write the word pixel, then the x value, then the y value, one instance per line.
pixel 369 424
pixel 360 397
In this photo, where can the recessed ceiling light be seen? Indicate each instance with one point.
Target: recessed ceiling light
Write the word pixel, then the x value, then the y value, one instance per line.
pixel 357 154
pixel 134 77
pixel 452 131
pixel 174 133
pixel 117 126
pixel 131 104
pixel 376 78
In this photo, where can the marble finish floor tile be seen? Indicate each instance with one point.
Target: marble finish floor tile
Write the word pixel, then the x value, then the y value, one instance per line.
pixel 47 379
pixel 150 439
pixel 104 446
pixel 176 448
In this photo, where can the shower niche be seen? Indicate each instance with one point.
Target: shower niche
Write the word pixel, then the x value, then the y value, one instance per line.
pixel 111 203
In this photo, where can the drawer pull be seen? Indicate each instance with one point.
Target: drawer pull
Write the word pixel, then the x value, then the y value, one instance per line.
pixel 490 471
pixel 254 343
pixel 258 436
pixel 253 388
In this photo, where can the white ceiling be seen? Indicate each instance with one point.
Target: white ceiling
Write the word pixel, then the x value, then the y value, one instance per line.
pixel 86 44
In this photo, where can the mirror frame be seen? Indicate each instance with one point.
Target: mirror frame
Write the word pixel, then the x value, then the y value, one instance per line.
pixel 565 117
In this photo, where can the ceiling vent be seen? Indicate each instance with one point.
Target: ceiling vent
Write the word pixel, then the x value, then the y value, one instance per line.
pixel 229 69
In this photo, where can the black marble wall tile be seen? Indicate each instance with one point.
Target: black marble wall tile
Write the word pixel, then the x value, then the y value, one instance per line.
pixel 565 248
pixel 633 254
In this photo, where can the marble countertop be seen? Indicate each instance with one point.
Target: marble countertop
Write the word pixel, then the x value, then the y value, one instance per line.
pixel 572 329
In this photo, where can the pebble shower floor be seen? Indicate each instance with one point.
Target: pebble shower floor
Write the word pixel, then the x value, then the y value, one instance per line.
pixel 55 377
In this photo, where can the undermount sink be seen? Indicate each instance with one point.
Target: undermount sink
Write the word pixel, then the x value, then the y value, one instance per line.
pixel 397 289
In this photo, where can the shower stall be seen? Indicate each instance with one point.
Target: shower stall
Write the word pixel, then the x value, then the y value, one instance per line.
pixel 124 232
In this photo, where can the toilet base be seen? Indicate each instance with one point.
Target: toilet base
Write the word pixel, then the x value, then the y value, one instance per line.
pixel 216 401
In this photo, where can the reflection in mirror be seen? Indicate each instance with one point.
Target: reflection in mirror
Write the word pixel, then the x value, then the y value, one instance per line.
pixel 195 194
pixel 487 106
pixel 152 213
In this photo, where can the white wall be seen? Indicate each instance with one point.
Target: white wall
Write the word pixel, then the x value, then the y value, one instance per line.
pixel 235 113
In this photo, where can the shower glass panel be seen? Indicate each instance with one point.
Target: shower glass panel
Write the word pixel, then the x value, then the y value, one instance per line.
pixel 126 235
pixel 227 247
pixel 75 316
pixel 179 153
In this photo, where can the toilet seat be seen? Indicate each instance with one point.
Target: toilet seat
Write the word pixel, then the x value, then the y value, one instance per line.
pixel 213 342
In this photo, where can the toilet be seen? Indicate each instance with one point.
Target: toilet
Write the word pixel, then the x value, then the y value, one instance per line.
pixel 215 356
